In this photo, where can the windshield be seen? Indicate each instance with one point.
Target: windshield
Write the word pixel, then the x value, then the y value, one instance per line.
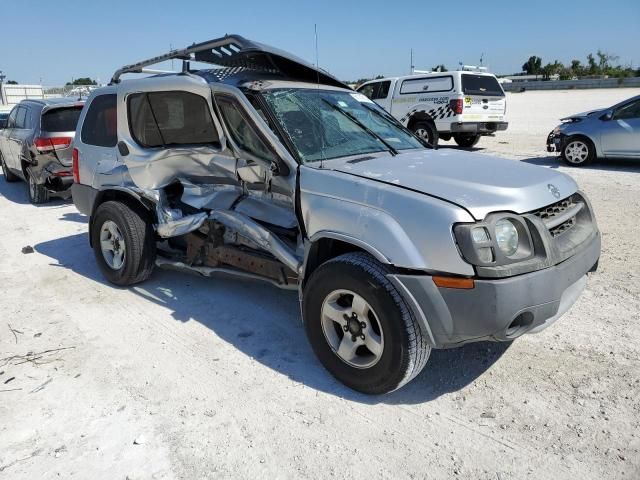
pixel 481 85
pixel 326 124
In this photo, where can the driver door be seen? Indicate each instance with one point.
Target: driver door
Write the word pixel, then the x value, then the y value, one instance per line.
pixel 621 135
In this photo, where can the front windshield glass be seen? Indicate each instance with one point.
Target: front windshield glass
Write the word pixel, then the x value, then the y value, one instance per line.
pixel 326 124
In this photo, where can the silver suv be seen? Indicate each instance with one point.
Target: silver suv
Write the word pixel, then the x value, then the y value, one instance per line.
pixel 35 146
pixel 272 169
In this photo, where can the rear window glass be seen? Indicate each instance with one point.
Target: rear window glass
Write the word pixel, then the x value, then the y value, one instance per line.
pixel 427 85
pixel 171 118
pixel 61 119
pixel 481 85
pixel 100 123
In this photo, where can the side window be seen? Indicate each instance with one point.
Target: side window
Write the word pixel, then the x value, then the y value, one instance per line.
pixel 241 129
pixel 100 123
pixel 427 85
pixel 368 90
pixel 161 119
pixel 383 90
pixel 11 122
pixel 21 117
pixel 628 111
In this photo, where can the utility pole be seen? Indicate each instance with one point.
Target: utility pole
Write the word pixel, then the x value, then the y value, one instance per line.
pixel 2 77
pixel 411 66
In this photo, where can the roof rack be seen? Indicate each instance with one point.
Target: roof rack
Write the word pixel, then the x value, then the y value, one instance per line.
pixel 236 51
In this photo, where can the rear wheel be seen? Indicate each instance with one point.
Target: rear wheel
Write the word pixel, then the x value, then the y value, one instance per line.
pixel 123 243
pixel 8 176
pixel 578 151
pixel 360 327
pixel 427 131
pixel 466 141
pixel 37 193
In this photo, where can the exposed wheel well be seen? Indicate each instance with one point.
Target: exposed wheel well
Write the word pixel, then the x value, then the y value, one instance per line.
pixel 143 208
pixel 323 250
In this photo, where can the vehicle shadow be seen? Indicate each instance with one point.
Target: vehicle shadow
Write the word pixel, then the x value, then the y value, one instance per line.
pixel 264 322
pixel 609 164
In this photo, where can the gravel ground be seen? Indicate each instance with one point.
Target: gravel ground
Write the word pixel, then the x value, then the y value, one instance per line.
pixel 184 377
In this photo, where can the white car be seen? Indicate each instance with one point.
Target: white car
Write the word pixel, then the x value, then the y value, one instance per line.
pixel 463 104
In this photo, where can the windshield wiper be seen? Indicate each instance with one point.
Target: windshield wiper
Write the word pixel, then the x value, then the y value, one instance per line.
pixel 391 149
pixel 389 118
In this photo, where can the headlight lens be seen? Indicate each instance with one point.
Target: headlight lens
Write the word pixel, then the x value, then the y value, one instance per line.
pixel 506 237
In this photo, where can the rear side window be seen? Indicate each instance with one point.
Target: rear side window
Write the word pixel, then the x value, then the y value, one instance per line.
pixel 161 119
pixel 481 85
pixel 21 118
pixel 427 85
pixel 100 123
pixel 61 119
pixel 376 91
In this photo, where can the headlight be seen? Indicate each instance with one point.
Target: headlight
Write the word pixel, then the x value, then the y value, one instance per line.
pixel 506 237
pixel 501 239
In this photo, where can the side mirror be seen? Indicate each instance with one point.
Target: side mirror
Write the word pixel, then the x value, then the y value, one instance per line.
pixel 252 173
pixel 606 116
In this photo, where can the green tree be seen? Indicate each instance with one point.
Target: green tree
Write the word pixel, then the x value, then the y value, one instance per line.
pixel 577 69
pixel 83 81
pixel 533 66
pixel 440 68
pixel 12 82
pixel 593 68
pixel 551 69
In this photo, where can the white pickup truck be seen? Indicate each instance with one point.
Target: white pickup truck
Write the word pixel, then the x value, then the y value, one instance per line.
pixel 463 104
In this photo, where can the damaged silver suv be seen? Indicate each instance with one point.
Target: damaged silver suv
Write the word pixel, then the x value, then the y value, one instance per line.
pixel 270 168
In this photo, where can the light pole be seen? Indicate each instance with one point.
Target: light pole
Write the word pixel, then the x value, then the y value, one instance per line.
pixel 2 77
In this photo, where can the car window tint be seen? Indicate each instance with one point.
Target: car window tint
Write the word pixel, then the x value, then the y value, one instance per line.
pixel 171 118
pixel 382 90
pixel 485 85
pixel 61 119
pixel 11 121
pixel 100 123
pixel 428 85
pixel 21 117
pixel 630 110
pixel 3 120
pixel 241 130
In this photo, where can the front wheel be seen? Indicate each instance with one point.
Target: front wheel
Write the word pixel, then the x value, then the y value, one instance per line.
pixel 578 151
pixel 123 243
pixel 360 327
pixel 466 141
pixel 8 175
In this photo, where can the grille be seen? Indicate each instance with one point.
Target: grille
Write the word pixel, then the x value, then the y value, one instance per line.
pixel 548 213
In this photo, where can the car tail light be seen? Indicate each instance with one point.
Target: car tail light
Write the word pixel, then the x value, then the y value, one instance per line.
pixel 53 143
pixel 76 165
pixel 457 105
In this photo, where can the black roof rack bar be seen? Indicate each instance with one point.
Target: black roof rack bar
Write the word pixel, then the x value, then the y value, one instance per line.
pixel 219 52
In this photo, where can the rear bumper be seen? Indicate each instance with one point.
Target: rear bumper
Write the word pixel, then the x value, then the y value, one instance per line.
pixel 84 197
pixel 481 128
pixel 502 309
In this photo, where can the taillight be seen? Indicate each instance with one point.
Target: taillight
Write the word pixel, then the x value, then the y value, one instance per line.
pixel 54 143
pixel 76 165
pixel 457 105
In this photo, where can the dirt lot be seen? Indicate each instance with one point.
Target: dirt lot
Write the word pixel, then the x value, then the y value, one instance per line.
pixel 185 377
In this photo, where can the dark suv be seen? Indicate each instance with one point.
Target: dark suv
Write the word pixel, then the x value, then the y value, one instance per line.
pixel 36 145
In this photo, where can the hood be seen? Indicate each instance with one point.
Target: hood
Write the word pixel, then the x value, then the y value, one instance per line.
pixel 582 115
pixel 479 183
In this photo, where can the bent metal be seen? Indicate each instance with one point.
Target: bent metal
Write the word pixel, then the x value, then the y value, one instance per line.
pixel 262 166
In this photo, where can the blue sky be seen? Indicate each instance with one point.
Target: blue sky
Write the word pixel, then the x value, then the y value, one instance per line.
pixel 55 41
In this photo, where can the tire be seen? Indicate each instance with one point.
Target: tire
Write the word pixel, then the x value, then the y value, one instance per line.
pixel 9 177
pixel 404 350
pixel 38 194
pixel 427 131
pixel 133 237
pixel 578 151
pixel 466 141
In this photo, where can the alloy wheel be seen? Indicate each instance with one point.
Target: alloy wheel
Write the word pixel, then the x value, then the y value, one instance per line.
pixel 352 329
pixel 576 152
pixel 112 245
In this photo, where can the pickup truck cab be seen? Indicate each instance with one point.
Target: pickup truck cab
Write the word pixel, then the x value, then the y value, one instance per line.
pixel 463 104
pixel 271 169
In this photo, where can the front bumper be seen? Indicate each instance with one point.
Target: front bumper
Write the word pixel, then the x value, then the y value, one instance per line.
pixel 555 141
pixel 482 128
pixel 501 309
